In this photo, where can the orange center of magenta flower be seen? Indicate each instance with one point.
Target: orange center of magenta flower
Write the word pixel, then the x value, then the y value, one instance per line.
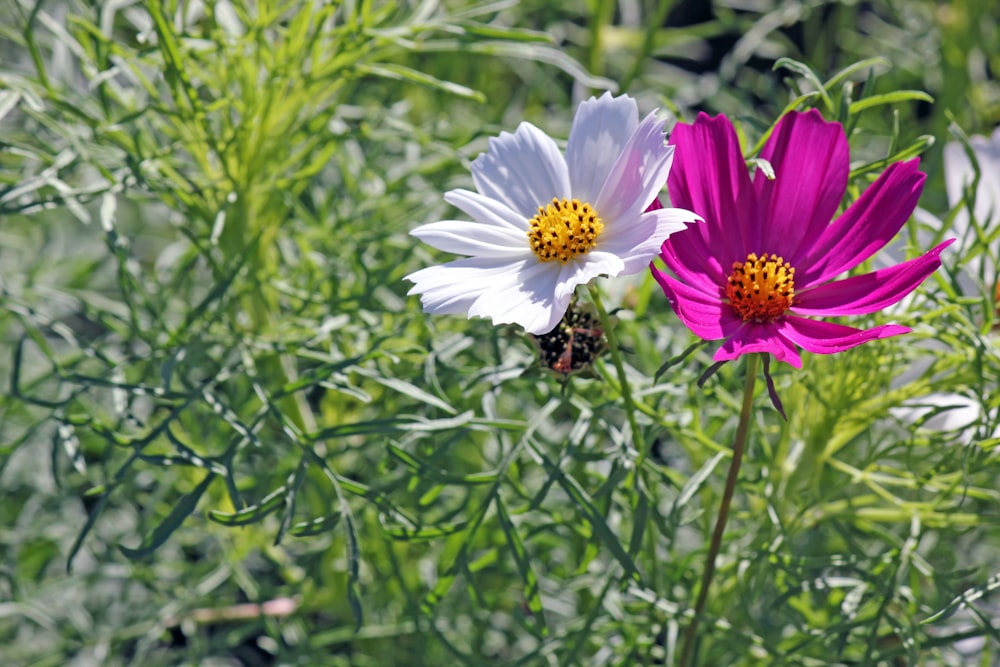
pixel 761 289
pixel 564 229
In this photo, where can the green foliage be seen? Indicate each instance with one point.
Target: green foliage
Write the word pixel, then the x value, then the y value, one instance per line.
pixel 229 438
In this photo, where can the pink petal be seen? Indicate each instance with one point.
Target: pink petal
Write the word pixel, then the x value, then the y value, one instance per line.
pixel 811 160
pixel 710 178
pixel 691 259
pixel 829 338
pixel 704 314
pixel 864 228
pixel 869 292
pixel 763 337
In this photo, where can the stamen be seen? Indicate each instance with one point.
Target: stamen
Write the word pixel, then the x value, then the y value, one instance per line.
pixel 564 229
pixel 761 288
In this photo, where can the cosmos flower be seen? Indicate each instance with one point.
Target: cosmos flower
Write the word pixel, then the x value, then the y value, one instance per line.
pixel 544 223
pixel 952 411
pixel 959 174
pixel 765 259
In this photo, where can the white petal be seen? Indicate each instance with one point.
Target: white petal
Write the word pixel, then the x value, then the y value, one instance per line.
pixel 474 238
pixel 958 174
pixel 486 210
pixel 957 413
pixel 529 299
pixel 638 175
pixel 638 243
pixel 506 292
pixel 523 170
pixel 583 270
pixel 452 288
pixel 601 128
pixel 988 193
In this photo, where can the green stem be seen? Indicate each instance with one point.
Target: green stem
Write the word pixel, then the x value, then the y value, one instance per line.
pixel 653 27
pixel 603 13
pixel 739 446
pixel 616 358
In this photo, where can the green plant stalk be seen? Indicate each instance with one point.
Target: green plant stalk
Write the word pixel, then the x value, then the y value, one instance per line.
pixel 602 15
pixel 626 389
pixel 739 446
pixel 653 26
pixel 281 370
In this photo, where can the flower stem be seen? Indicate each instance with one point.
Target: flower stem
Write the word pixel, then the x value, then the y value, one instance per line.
pixel 616 358
pixel 739 446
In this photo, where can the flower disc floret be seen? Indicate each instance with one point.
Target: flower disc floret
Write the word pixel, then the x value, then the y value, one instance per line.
pixel 563 230
pixel 761 288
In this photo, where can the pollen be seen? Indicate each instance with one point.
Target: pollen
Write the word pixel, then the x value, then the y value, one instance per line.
pixel 564 229
pixel 761 288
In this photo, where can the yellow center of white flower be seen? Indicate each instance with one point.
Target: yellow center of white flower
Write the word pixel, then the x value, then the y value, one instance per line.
pixel 564 229
pixel 761 289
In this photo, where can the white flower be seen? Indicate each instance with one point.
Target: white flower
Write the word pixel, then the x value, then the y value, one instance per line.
pixel 954 411
pixel 543 224
pixel 959 174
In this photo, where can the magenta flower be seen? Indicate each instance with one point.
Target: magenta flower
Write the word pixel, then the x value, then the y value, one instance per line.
pixel 768 251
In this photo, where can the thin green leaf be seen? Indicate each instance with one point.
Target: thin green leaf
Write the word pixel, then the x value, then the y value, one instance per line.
pixel 594 517
pixel 295 481
pixel 172 522
pixel 809 75
pixel 673 361
pixel 403 73
pixel 316 526
pixel 919 146
pixel 965 599
pixel 536 53
pixel 696 481
pixel 843 74
pixel 393 425
pixel 894 97
pixel 794 104
pixel 523 562
pixel 425 471
pixel 434 596
pixel 92 516
pixel 353 568
pixel 408 389
pixel 270 503
pixel 639 522
pixel 508 34
pixel 422 533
